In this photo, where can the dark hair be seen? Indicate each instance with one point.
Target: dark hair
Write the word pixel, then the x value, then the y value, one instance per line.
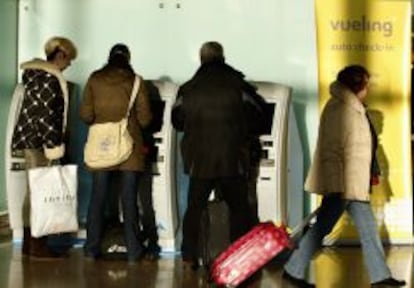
pixel 211 52
pixel 119 57
pixel 354 77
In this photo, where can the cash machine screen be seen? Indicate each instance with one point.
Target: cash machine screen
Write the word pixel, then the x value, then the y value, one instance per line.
pixel 268 123
pixel 267 131
pixel 157 110
pixel 153 141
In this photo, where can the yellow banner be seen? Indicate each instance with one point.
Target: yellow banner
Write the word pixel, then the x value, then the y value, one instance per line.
pixel 375 34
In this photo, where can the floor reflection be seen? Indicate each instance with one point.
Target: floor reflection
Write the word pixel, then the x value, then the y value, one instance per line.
pixel 334 267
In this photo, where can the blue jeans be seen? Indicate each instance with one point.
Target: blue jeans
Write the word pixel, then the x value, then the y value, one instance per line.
pixel 332 208
pixel 96 218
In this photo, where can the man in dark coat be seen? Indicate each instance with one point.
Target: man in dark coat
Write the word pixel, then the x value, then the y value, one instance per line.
pixel 216 110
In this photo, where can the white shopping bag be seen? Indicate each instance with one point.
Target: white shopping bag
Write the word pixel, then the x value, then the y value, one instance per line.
pixel 53 199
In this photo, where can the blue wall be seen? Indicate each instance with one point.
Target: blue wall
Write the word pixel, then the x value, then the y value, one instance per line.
pixel 8 73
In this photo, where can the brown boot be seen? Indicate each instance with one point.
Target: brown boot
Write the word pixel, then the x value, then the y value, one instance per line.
pixel 39 249
pixel 26 241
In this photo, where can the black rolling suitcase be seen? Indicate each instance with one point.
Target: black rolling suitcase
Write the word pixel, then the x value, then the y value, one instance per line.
pixel 214 236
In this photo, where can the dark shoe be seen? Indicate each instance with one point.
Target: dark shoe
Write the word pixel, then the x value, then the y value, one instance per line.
pixel 134 259
pixel 189 264
pixel 301 283
pixel 91 254
pixel 91 257
pixel 152 252
pixel 38 249
pixel 151 256
pixel 153 248
pixel 389 282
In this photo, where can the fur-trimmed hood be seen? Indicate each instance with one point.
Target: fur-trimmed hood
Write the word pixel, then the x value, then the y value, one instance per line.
pixel 58 151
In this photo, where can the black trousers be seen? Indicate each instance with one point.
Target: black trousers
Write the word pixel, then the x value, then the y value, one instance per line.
pixel 147 217
pixel 234 192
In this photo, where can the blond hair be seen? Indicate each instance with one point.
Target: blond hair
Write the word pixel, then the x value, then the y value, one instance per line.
pixel 55 44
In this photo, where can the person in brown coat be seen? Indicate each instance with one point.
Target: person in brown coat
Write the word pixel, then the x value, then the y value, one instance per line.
pixel 106 99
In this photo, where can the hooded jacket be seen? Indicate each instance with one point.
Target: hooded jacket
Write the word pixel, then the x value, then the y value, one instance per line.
pixel 41 123
pixel 343 155
pixel 106 98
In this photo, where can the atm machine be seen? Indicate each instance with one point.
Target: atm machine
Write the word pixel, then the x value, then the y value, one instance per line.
pixel 16 183
pixel 279 187
pixel 164 190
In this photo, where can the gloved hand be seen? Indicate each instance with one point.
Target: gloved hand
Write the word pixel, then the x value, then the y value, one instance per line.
pixel 375 180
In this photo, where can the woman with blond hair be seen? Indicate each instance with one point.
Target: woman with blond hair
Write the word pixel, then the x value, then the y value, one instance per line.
pixel 40 130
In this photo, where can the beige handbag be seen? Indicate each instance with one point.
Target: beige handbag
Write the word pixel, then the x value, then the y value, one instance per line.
pixel 110 143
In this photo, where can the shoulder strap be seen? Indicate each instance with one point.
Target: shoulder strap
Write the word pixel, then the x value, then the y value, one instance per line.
pixel 134 92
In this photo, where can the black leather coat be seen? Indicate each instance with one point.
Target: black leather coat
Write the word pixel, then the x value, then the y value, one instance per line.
pixel 214 110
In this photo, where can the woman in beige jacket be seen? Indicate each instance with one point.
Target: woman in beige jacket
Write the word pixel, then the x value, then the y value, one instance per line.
pixel 341 172
pixel 106 99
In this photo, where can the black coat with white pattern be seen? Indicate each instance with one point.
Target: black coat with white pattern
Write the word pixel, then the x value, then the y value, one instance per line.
pixel 40 120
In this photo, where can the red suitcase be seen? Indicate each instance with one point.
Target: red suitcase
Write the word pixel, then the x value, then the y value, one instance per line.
pixel 249 253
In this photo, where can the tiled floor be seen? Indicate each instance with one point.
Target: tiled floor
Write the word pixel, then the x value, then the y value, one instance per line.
pixel 334 267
